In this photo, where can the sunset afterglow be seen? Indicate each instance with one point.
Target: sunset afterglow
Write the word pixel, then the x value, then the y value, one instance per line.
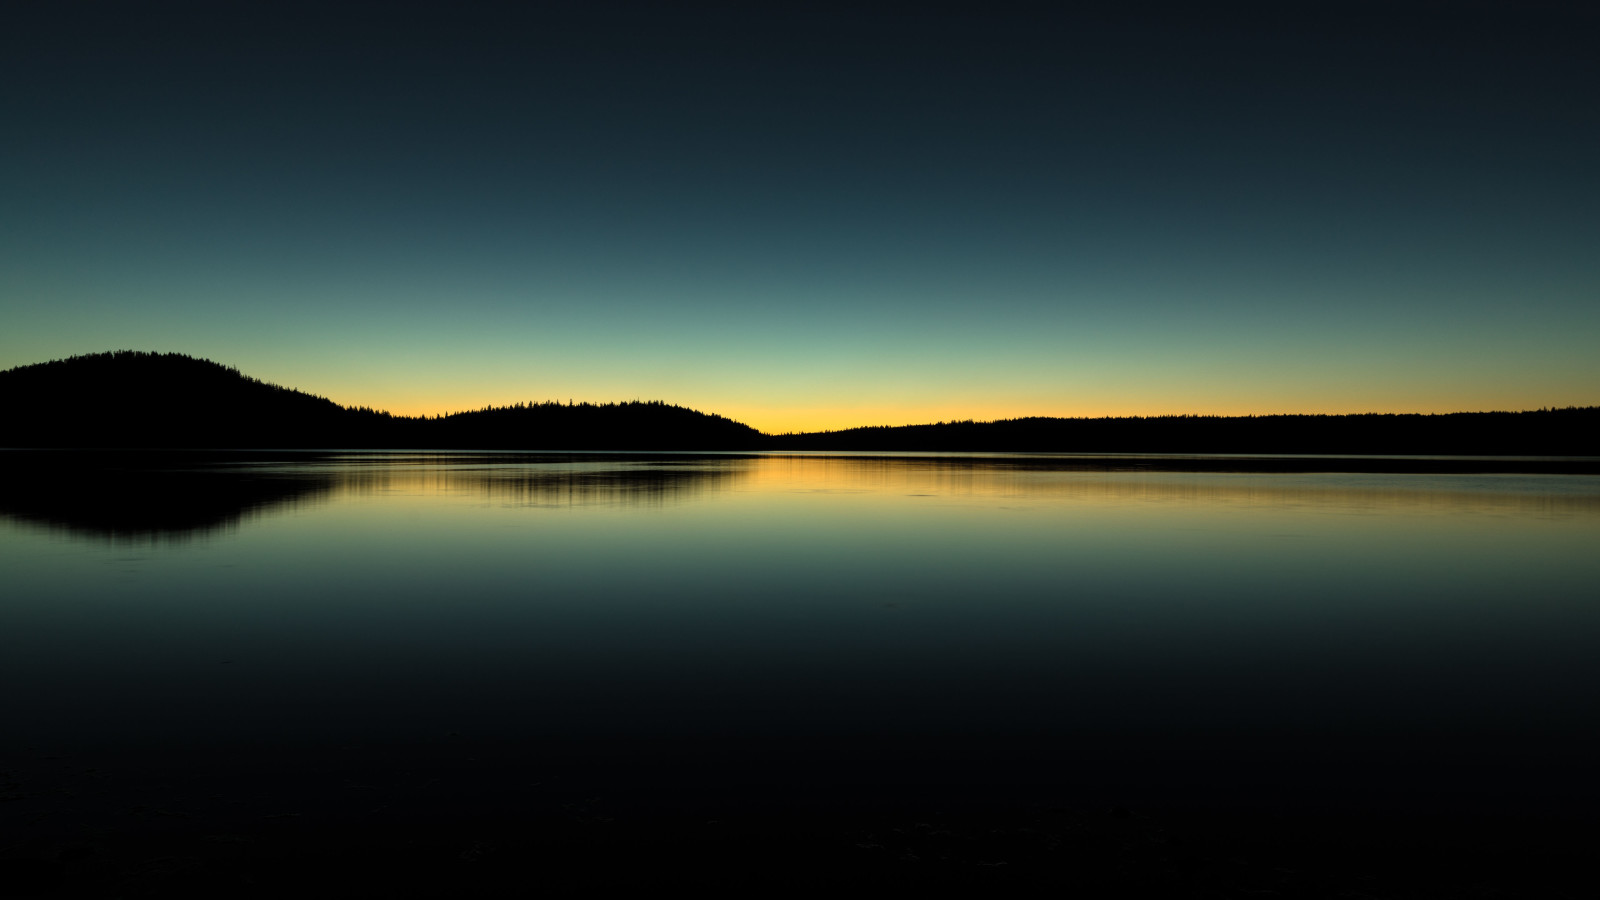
pixel 815 221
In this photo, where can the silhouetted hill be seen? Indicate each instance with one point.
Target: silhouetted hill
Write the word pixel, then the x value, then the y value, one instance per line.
pixel 131 399
pixel 1546 432
pixel 648 425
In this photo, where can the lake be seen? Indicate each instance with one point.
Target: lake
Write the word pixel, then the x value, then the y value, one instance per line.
pixel 418 634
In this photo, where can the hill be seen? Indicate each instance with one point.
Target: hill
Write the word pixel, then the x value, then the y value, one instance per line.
pixel 168 400
pixel 1546 432
pixel 133 399
pixel 636 425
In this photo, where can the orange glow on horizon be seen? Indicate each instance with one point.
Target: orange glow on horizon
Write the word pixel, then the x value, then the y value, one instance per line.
pixel 815 419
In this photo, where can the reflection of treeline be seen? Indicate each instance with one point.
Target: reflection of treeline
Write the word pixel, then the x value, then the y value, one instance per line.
pixel 166 495
pixel 129 399
pixel 549 479
pixel 141 497
pixel 1546 432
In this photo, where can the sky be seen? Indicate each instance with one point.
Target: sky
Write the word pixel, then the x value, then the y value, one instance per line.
pixel 816 216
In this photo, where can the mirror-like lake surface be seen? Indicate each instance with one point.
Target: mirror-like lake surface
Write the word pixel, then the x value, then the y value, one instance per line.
pixel 810 624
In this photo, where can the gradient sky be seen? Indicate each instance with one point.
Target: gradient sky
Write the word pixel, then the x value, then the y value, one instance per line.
pixel 829 216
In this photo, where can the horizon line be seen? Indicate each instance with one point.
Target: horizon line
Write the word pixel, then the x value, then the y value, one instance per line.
pixel 973 420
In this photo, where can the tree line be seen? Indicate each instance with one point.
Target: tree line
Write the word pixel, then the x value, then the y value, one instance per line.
pixel 137 399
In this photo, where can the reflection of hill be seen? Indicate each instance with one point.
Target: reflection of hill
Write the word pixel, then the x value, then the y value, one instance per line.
pixel 1129 482
pixel 1263 464
pixel 162 495
pixel 122 496
pixel 541 479
pixel 167 495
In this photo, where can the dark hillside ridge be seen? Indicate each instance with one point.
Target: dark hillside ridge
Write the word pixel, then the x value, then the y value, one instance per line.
pixel 636 425
pixel 1546 432
pixel 132 399
pixel 129 399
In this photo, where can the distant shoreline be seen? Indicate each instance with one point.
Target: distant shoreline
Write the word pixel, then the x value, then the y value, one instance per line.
pixel 1221 463
pixel 129 399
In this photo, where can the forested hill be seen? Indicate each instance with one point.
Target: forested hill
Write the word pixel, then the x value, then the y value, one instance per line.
pixel 132 399
pixel 1567 431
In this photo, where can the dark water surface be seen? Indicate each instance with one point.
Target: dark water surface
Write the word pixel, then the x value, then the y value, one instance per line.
pixel 427 631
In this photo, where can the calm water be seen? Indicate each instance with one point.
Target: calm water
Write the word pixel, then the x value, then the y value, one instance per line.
pixel 804 624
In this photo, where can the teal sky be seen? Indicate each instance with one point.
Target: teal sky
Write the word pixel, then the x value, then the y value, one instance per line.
pixel 821 217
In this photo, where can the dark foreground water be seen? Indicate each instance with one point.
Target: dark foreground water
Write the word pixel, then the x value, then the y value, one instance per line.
pixel 359 638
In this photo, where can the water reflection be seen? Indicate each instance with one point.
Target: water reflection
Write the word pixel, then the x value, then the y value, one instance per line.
pixel 540 480
pixel 147 499
pixel 1219 483
pixel 182 496
pixel 780 618
pixel 123 497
